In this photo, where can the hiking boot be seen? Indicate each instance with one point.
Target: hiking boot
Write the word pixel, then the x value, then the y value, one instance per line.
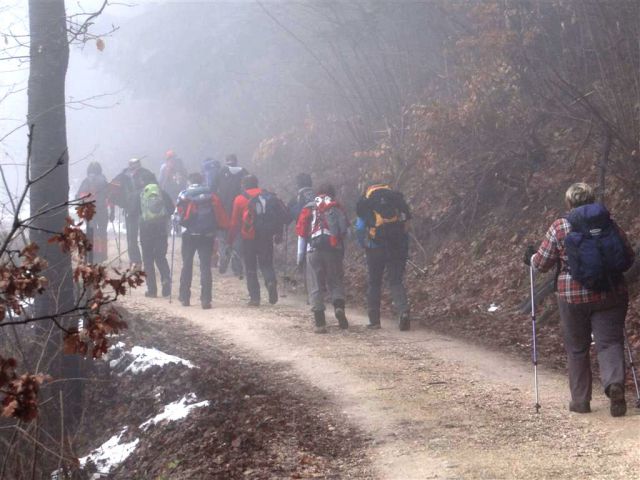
pixel 253 303
pixel 320 321
pixel 206 305
pixel 374 320
pixel 150 295
pixel 272 288
pixel 580 407
pixel 223 263
pixel 405 322
pixel 340 314
pixel 185 302
pixel 166 289
pixel 618 407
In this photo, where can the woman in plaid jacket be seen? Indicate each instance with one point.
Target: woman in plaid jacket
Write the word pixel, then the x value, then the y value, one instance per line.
pixel 585 311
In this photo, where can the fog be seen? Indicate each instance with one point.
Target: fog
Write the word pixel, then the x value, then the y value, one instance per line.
pixel 210 78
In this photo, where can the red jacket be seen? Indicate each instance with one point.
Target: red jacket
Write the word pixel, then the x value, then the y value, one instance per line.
pixel 184 202
pixel 240 205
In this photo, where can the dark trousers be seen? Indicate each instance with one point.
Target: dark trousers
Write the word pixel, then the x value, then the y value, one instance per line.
pixel 258 253
pixel 233 255
pixel 97 230
pixel 203 244
pixel 606 321
pixel 379 261
pixel 154 239
pixel 132 224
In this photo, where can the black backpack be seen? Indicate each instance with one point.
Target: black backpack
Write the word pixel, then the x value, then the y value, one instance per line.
pixel 229 185
pixel 265 215
pixel 384 212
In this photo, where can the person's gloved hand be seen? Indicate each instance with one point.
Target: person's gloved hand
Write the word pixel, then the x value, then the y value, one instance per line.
pixel 529 252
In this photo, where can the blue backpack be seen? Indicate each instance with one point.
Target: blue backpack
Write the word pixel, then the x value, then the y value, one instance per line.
pixel 596 252
pixel 210 171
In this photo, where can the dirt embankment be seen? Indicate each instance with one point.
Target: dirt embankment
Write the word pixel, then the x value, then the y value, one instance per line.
pixel 260 421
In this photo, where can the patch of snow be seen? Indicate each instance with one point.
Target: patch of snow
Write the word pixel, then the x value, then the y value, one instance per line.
pixel 111 453
pixel 493 308
pixel 176 410
pixel 145 358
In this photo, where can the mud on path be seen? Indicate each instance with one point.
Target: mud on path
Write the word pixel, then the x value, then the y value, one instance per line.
pixel 432 406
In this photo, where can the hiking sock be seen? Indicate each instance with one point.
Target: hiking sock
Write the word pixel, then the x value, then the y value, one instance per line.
pixel 339 306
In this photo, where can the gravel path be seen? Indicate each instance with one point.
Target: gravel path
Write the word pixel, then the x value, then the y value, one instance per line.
pixel 433 406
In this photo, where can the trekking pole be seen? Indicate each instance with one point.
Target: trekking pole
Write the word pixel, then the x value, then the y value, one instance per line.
pixel 419 271
pixel 173 250
pixel 533 344
pixel 284 275
pixel 633 370
pixel 119 238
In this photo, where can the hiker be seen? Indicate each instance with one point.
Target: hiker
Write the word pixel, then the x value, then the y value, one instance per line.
pixel 304 197
pixel 591 292
pixel 381 229
pixel 210 171
pixel 173 175
pixel 322 227
pixel 200 212
pixel 259 216
pixel 228 187
pixel 125 190
pixel 156 207
pixel 95 188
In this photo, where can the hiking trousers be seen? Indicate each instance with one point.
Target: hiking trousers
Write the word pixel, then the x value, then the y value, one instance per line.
pixel 97 230
pixel 378 261
pixel 203 245
pixel 132 224
pixel 606 321
pixel 154 239
pixel 258 253
pixel 325 273
pixel 234 257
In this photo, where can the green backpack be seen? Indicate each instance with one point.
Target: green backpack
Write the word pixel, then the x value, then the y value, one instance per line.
pixel 152 204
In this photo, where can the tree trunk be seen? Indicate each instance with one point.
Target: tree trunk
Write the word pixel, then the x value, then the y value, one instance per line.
pixel 49 57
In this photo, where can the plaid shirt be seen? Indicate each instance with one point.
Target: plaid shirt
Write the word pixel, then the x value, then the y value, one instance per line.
pixel 552 251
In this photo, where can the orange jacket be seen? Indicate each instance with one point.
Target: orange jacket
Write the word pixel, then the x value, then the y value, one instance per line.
pixel 240 205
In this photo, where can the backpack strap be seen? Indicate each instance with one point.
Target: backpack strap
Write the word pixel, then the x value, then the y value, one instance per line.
pixel 374 188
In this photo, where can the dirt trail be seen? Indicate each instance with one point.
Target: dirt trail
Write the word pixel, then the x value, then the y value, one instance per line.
pixel 435 407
